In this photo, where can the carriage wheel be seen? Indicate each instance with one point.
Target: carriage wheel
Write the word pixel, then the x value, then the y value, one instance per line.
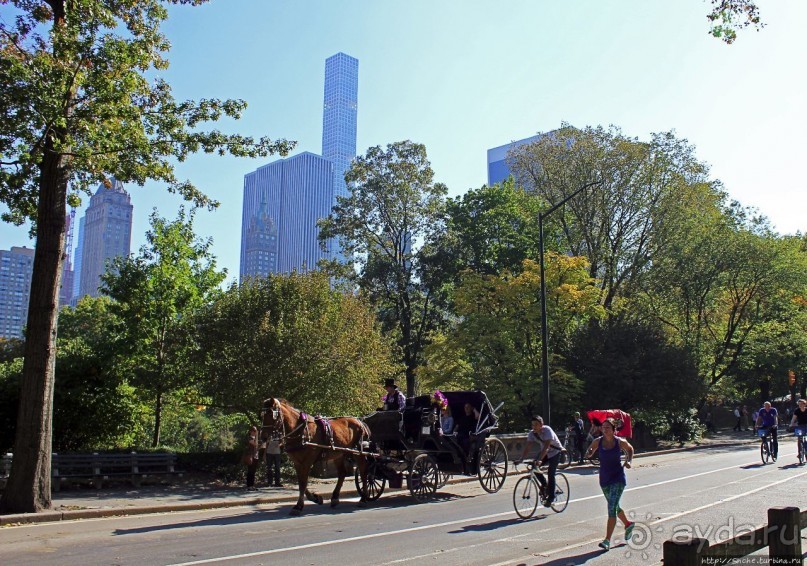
pixel 423 477
pixel 375 484
pixel 492 465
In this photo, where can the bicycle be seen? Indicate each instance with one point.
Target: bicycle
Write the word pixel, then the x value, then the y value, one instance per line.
pixel 529 492
pixel 570 447
pixel 765 450
pixel 800 432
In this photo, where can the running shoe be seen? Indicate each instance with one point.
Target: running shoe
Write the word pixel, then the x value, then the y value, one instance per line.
pixel 605 545
pixel 629 531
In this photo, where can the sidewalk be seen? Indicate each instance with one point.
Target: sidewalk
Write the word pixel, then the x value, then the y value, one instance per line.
pixel 193 494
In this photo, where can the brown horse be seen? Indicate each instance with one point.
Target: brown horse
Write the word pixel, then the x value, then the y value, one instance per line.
pixel 305 442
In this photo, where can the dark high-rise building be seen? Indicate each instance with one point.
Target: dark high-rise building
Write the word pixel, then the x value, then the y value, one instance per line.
pixel 283 200
pixel 107 234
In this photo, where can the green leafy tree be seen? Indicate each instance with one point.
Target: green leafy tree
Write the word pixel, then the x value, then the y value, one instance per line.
pixel 629 363
pixel 82 101
pixel 729 16
pixel 291 336
pixel 488 230
pixel 717 281
pixel 393 207
pixel 155 293
pixel 94 405
pixel 621 224
pixel 499 330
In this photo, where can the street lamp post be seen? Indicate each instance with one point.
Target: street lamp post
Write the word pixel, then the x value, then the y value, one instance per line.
pixel 544 331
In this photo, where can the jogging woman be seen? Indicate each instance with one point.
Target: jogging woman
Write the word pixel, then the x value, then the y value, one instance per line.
pixel 612 477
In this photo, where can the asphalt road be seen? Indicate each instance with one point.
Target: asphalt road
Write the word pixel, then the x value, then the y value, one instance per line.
pixel 716 493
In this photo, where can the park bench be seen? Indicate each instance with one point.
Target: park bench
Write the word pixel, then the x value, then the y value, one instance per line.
pixel 98 467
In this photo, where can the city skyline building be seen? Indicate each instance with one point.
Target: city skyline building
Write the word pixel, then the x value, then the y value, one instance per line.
pixel 77 263
pixel 498 169
pixel 107 233
pixel 16 270
pixel 340 115
pixel 66 289
pixel 284 199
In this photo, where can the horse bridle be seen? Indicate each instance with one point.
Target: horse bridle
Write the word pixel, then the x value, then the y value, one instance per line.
pixel 273 428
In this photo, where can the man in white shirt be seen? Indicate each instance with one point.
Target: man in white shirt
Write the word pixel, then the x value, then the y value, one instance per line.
pixel 549 448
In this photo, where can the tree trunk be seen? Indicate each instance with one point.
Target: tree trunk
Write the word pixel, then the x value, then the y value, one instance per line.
pixel 28 488
pixel 764 390
pixel 158 417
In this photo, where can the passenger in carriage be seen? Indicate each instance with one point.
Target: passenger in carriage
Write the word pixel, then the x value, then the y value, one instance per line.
pixel 394 400
pixel 466 429
pixel 447 426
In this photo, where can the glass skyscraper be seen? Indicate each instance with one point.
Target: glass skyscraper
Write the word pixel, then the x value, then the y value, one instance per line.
pixel 16 269
pixel 498 168
pixel 283 200
pixel 340 114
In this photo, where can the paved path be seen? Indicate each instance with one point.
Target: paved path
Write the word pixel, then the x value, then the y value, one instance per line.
pixel 82 503
pixel 715 492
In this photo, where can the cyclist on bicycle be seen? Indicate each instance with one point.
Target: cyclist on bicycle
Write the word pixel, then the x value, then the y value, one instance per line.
pixel 549 454
pixel 768 419
pixel 800 418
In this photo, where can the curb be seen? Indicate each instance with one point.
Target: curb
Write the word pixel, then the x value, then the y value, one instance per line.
pixel 75 514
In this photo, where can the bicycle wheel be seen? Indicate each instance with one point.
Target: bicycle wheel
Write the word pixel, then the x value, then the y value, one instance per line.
pixel 764 451
pixel 526 497
pixel 561 493
pixel 803 449
pixel 564 460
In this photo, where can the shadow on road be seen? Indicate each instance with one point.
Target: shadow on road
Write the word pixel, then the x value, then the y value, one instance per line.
pixel 579 558
pixel 493 525
pixel 752 466
pixel 282 512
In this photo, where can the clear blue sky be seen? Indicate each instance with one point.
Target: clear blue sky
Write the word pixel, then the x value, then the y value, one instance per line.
pixel 462 76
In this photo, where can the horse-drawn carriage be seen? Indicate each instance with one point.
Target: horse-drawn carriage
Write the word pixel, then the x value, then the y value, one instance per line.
pixel 389 445
pixel 411 445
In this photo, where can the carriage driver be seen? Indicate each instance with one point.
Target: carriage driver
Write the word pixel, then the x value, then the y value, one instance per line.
pixel 394 400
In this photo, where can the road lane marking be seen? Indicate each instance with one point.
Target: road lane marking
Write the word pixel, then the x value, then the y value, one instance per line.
pixel 439 525
pixel 656 522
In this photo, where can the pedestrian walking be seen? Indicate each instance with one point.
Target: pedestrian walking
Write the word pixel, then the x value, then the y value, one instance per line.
pixel 580 436
pixel 739 417
pixel 273 462
pixel 250 456
pixel 612 477
pixel 710 426
pixel 746 423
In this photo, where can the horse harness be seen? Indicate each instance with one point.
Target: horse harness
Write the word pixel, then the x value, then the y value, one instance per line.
pixel 302 427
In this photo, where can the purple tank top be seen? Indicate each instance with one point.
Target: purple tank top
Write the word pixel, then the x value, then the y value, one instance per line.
pixel 611 470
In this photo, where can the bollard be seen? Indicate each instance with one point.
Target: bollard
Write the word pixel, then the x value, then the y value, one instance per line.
pixel 784 532
pixel 685 552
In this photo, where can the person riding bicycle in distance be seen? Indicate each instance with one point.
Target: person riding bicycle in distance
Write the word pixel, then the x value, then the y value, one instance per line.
pixel 549 448
pixel 800 417
pixel 769 419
